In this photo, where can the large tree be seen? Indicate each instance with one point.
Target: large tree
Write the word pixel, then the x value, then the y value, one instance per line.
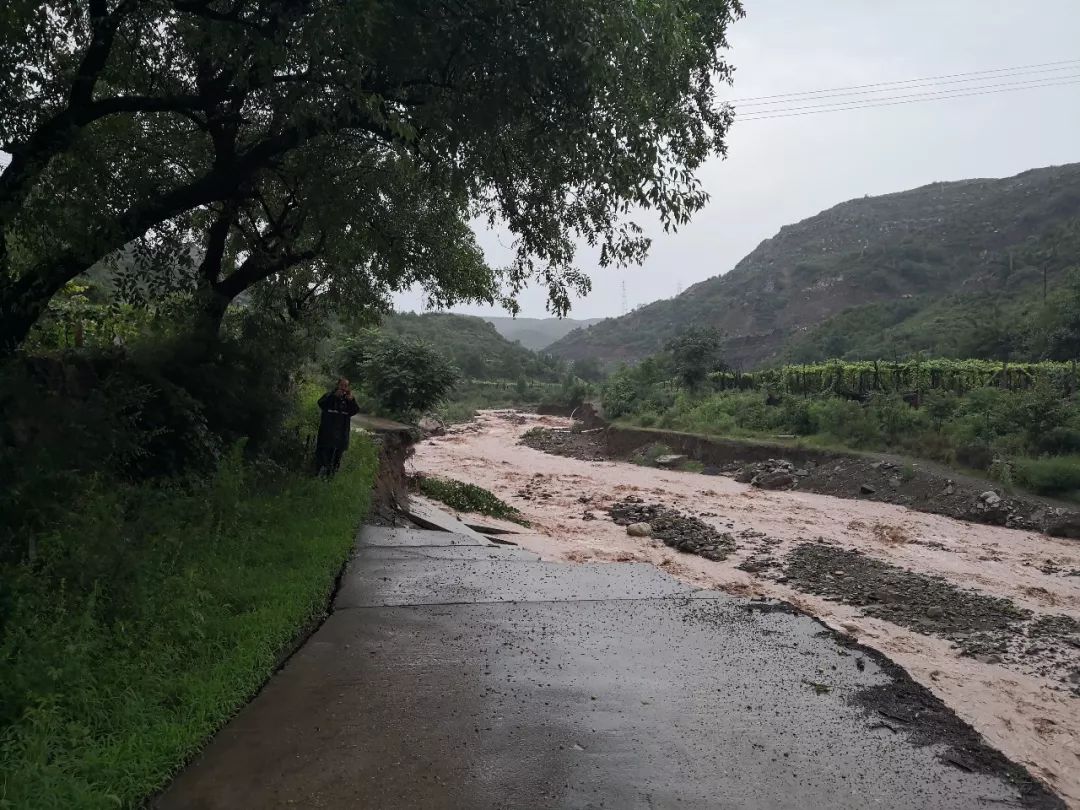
pixel 135 120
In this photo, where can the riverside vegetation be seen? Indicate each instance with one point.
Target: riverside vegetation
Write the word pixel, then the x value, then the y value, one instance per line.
pixel 1019 423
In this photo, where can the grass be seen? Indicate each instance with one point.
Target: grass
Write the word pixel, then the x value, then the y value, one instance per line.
pixel 1056 475
pixel 151 616
pixel 468 498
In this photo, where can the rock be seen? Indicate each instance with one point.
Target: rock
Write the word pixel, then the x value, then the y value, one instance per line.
pixel 934 612
pixel 1064 525
pixel 670 460
pixel 802 473
pixel 431 426
pixel 866 489
pixel 950 488
pixel 988 659
pixel 773 480
pixel 990 498
pixel 895 482
pixel 639 530
pixel 588 516
pixel 745 475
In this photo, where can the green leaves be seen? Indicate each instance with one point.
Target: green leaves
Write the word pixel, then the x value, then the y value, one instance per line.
pixel 695 354
pixel 403 376
pixel 555 118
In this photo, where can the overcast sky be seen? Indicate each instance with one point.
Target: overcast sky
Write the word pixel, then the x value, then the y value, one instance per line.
pixel 783 170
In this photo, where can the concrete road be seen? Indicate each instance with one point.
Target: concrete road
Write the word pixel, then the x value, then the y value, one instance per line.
pixel 453 674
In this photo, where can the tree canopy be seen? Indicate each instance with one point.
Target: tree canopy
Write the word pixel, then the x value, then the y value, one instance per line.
pixel 695 354
pixel 341 149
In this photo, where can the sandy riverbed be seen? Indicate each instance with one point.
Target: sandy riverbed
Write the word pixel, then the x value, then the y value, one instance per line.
pixel 1028 716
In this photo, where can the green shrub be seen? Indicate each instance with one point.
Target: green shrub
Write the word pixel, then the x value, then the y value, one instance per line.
pixel 1054 475
pixel 150 614
pixel 468 498
pixel 403 376
pixel 846 422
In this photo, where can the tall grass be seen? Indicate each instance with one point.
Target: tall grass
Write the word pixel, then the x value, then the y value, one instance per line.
pixel 150 615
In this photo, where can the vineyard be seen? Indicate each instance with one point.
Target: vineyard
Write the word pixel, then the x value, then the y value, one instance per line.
pixel 912 377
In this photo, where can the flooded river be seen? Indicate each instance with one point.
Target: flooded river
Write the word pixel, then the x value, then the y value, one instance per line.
pixel 1022 700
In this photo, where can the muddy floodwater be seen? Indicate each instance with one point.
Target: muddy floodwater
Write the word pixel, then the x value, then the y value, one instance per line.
pixel 987 618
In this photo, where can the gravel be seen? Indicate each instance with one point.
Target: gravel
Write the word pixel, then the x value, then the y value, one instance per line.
pixel 673 528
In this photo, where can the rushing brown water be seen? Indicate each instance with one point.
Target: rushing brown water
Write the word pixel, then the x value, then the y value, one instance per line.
pixel 1026 714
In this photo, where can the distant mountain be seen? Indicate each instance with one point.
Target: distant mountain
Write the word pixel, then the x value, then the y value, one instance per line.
pixel 537 333
pixel 474 345
pixel 918 270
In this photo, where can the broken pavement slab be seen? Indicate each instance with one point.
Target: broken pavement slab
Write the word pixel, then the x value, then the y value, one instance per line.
pixel 566 686
pixel 423 512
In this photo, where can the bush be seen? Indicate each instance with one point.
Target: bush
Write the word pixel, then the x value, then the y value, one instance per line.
pixel 1055 475
pixel 846 422
pixel 150 613
pixel 468 498
pixel 402 376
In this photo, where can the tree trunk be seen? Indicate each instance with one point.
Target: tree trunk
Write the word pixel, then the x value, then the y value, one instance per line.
pixel 22 302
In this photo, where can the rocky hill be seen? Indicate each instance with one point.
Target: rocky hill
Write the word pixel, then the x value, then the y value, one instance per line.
pixel 892 258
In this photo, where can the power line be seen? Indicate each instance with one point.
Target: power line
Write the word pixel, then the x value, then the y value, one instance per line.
pixel 904 81
pixel 922 94
pixel 826 94
pixel 891 103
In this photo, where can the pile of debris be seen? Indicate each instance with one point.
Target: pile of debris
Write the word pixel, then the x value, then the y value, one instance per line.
pixel 776 473
pixel 673 528
pixel 584 445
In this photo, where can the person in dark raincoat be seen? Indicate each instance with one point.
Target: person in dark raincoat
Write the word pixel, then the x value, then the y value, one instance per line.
pixel 338 407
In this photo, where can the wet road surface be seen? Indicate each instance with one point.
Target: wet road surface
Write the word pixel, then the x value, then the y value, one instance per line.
pixel 453 674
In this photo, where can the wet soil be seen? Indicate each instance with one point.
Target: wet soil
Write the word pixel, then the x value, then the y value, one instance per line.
pixel 900 706
pixel 992 629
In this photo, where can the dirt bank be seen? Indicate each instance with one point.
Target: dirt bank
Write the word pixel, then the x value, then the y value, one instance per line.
pixel 984 658
pixel 921 485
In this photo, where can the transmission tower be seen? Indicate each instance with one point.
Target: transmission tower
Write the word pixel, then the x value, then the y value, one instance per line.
pixel 624 298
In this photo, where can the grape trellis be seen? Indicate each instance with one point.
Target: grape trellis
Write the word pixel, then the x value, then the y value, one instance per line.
pixel 861 378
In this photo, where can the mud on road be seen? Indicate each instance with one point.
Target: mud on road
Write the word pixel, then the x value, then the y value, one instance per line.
pixel 984 617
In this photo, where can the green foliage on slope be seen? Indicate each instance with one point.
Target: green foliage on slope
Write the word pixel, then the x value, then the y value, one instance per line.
pixel 955 269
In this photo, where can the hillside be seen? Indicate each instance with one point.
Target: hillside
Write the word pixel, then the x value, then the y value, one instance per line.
pixel 538 333
pixel 474 345
pixel 922 266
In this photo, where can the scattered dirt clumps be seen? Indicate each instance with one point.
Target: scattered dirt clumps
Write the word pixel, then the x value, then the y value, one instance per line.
pixel 991 629
pixel 923 603
pixel 908 708
pixel 679 531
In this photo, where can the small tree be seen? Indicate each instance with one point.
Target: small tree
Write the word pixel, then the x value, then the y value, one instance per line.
pixel 403 376
pixel 695 354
